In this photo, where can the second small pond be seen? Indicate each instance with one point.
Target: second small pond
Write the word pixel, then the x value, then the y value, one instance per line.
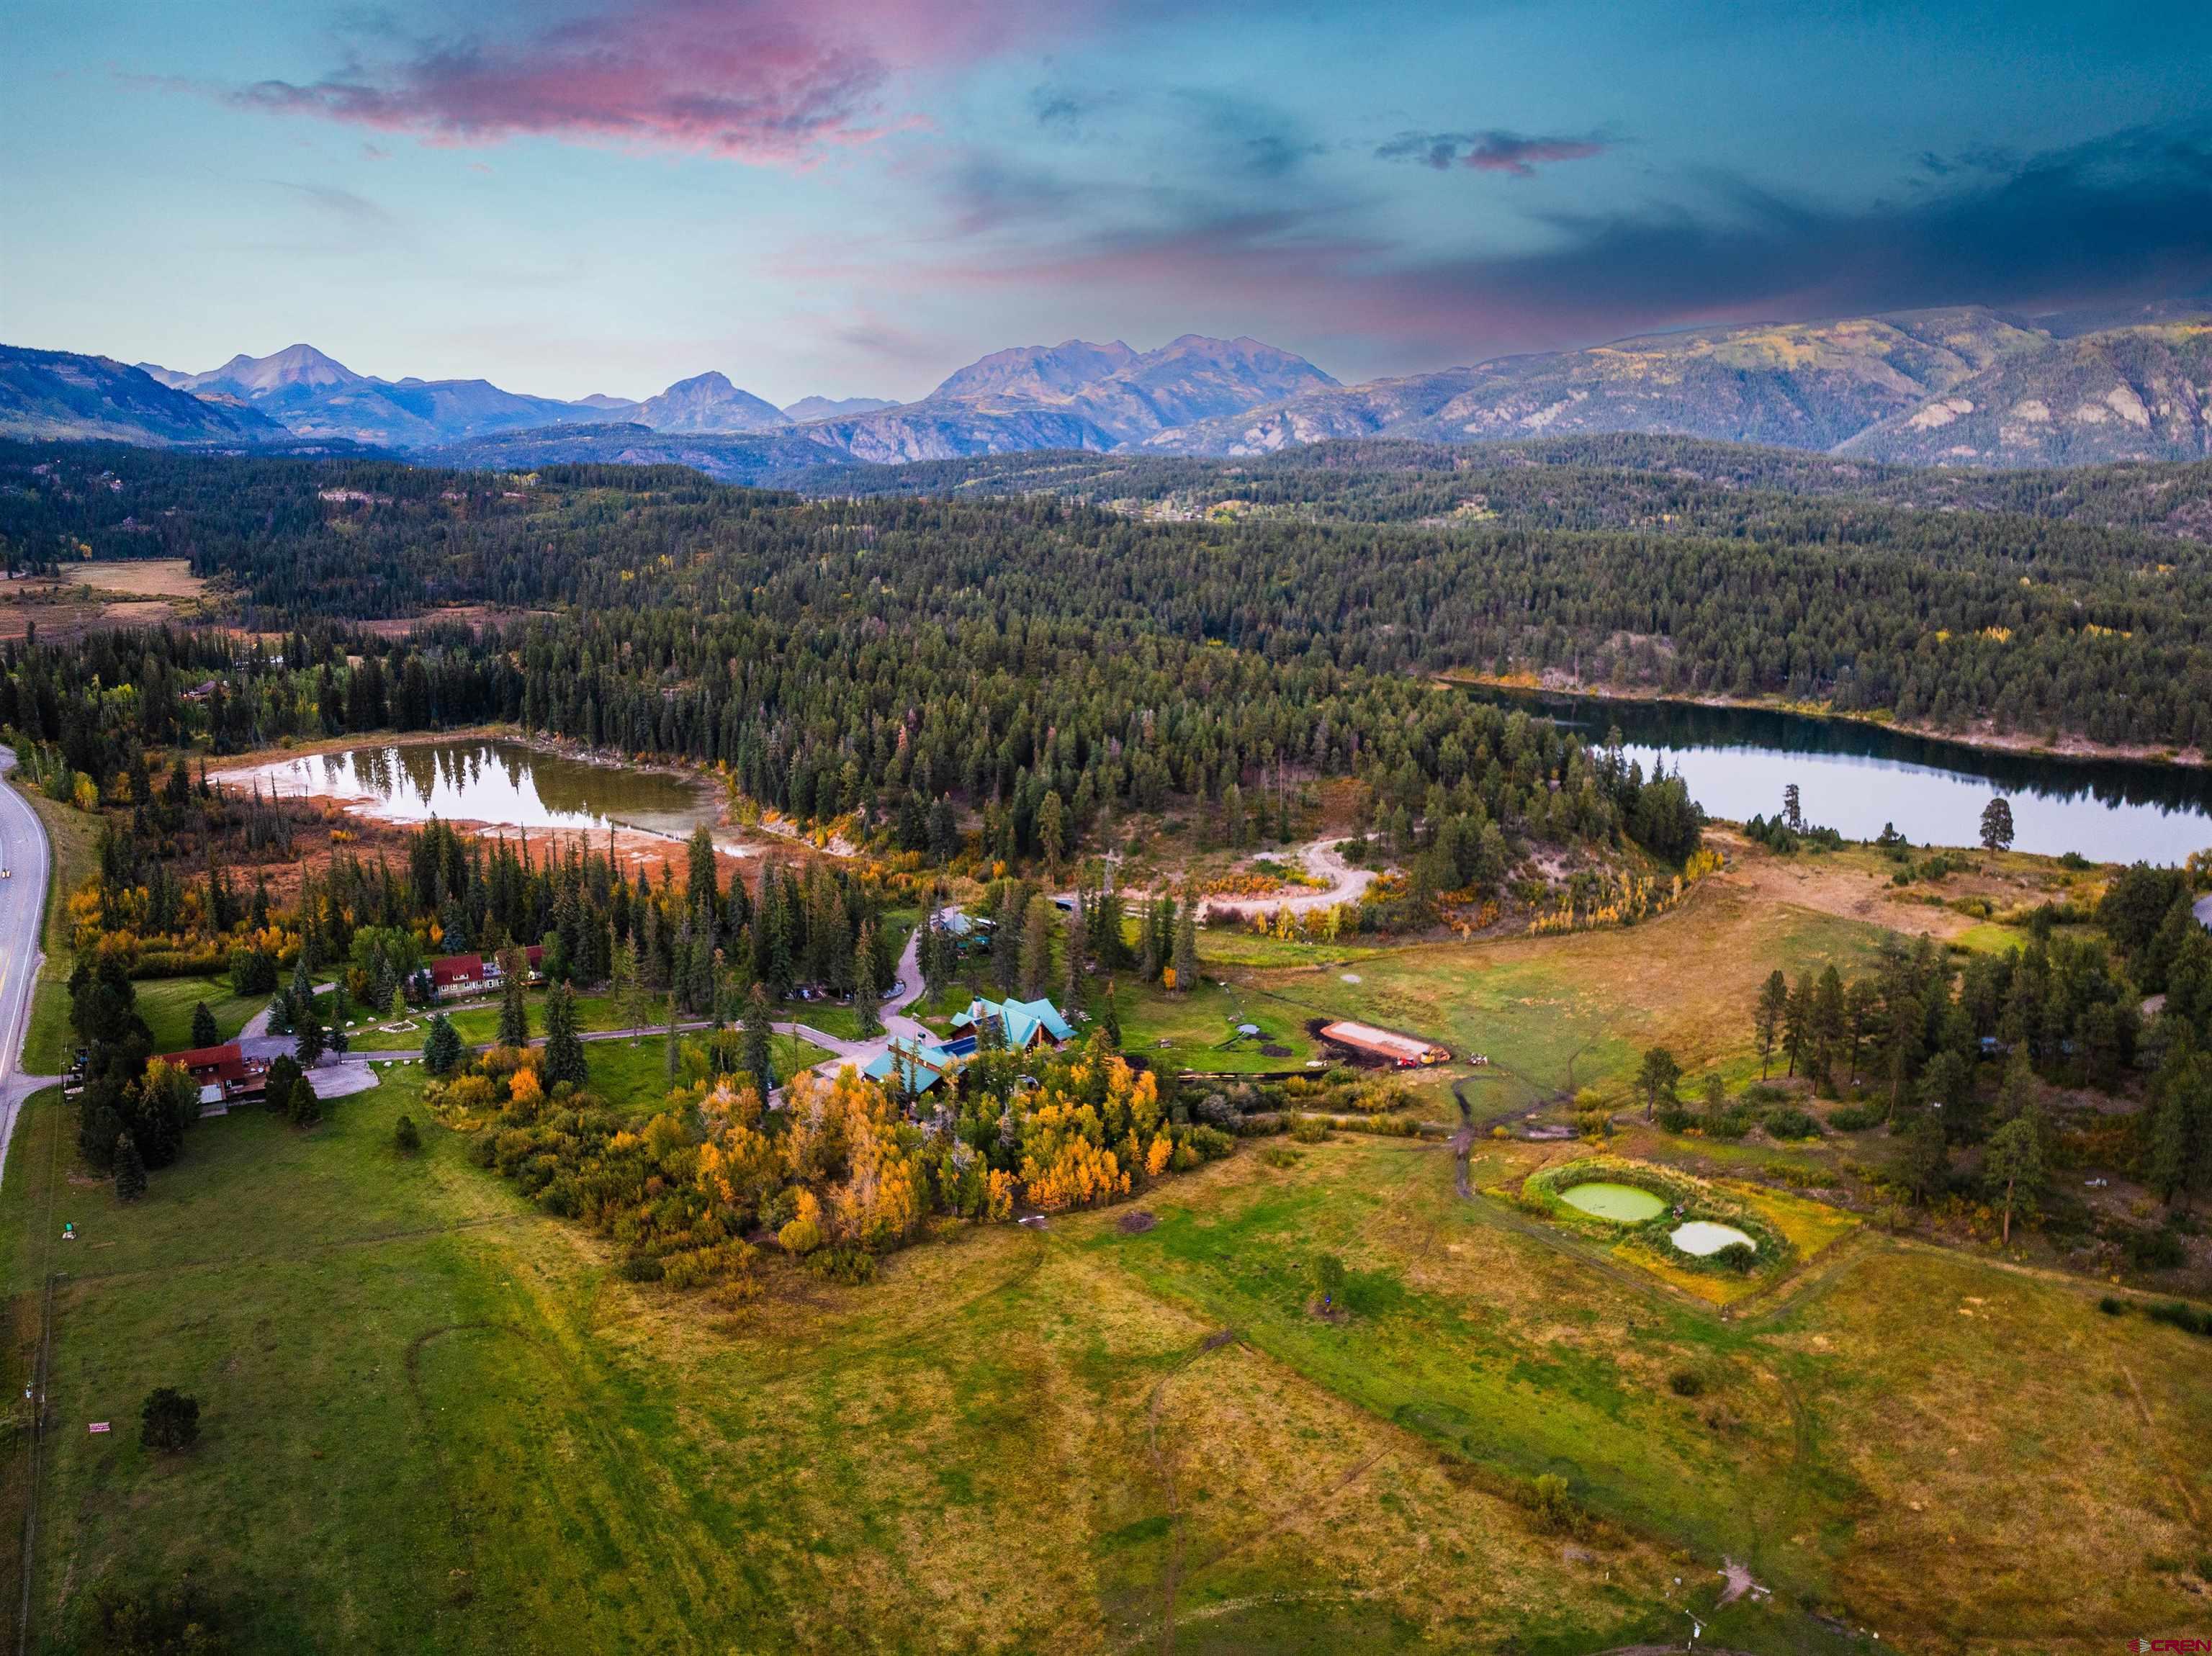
pixel 1703 1238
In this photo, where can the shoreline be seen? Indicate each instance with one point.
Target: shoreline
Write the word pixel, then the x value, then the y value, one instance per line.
pixel 1985 739
pixel 736 842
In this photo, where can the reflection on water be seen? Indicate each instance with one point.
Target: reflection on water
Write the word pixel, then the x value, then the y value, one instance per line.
pixel 490 781
pixel 1856 777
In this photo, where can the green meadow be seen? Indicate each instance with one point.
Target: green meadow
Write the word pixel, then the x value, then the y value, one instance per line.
pixel 434 1418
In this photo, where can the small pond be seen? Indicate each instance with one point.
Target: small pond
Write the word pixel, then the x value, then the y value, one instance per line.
pixel 1603 1199
pixel 1703 1238
pixel 505 783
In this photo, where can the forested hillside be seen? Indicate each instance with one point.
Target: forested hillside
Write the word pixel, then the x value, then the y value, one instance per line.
pixel 1681 484
pixel 690 617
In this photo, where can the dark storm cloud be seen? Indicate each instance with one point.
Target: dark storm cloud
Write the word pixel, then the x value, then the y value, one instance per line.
pixel 2129 215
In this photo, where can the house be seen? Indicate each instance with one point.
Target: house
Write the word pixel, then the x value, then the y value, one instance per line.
pixel 452 976
pixel 1405 1050
pixel 1020 1024
pixel 224 1074
pixel 918 1065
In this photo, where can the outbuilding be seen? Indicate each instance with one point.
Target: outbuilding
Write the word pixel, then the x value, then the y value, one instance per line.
pixel 1406 1051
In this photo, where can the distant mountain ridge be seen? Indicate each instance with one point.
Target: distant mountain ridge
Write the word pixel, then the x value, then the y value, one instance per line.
pixel 1962 386
pixel 833 408
pixel 1133 395
pixel 63 396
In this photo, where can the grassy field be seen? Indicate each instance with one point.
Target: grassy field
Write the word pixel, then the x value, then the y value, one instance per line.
pixel 1872 1444
pixel 1554 1015
pixel 478 1022
pixel 1198 1031
pixel 434 1419
pixel 167 1005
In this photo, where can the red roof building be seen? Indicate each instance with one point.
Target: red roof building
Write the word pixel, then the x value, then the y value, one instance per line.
pixel 224 1074
pixel 454 975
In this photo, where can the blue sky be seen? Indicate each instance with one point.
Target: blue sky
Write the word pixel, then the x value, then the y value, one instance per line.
pixel 855 197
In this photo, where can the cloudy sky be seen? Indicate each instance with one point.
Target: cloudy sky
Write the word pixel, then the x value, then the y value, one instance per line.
pixel 854 197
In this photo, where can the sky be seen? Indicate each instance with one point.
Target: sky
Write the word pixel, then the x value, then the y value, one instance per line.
pixel 853 197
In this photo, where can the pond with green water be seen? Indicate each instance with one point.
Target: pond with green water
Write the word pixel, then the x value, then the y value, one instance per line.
pixel 1623 1204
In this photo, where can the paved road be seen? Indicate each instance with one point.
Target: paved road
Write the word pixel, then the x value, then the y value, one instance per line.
pixel 896 1025
pixel 23 914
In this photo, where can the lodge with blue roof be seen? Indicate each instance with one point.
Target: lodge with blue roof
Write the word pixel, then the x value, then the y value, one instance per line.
pixel 912 1065
pixel 1020 1023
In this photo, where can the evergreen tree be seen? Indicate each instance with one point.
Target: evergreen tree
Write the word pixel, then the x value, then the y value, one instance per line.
pixel 1921 1161
pixel 701 882
pixel 1072 961
pixel 513 1010
pixel 313 1040
pixel 405 1139
pixel 867 995
pixel 760 1033
pixel 283 1076
pixel 2181 1124
pixel 441 1047
pixel 1038 928
pixel 1996 824
pixel 98 1127
pixel 1155 949
pixel 2014 1160
pixel 204 1033
pixel 1186 946
pixel 935 957
pixel 130 1170
pixel 564 1049
pixel 1051 829
pixel 1798 1020
pixel 306 1104
pixel 1007 937
pixel 1766 1019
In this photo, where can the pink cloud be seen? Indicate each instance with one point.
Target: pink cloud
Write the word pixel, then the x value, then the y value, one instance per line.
pixel 751 79
pixel 1501 152
pixel 1492 151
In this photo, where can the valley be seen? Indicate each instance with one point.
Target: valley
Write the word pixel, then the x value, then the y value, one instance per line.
pixel 857 830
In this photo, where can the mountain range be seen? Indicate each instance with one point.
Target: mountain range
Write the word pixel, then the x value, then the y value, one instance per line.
pixel 1963 386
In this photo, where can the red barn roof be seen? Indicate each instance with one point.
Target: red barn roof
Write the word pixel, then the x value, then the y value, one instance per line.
pixel 206 1063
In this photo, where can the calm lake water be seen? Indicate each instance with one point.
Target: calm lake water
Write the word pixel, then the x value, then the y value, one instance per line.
pixel 492 781
pixel 1854 778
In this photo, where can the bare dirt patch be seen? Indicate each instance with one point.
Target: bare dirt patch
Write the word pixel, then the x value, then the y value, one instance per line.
pixel 1136 1224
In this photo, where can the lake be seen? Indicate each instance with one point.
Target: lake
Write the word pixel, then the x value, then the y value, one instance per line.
pixel 1856 777
pixel 492 781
